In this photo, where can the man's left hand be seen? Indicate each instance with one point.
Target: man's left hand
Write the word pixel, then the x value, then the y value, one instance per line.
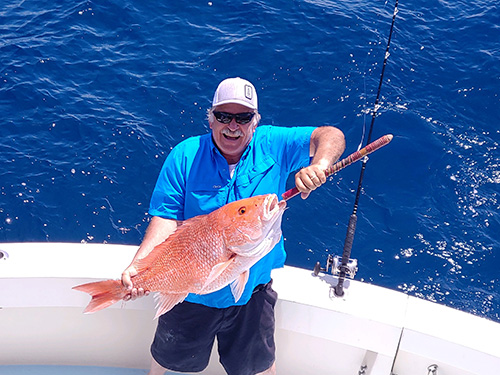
pixel 309 178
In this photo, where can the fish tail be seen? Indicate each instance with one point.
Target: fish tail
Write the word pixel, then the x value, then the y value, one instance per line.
pixel 104 294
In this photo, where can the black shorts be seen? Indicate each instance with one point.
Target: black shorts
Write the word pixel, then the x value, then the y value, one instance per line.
pixel 245 335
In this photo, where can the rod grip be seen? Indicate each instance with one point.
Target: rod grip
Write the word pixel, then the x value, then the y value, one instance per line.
pixel 349 239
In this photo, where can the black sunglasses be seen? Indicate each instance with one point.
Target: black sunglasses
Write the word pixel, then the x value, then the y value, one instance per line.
pixel 241 118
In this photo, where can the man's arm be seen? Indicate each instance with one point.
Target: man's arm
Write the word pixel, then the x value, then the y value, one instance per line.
pixel 326 146
pixel 158 231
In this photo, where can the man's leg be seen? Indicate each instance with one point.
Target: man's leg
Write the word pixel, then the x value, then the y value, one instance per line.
pixel 246 339
pixel 270 371
pixel 184 338
pixel 156 369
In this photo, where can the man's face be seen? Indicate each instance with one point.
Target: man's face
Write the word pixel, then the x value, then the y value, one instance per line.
pixel 232 139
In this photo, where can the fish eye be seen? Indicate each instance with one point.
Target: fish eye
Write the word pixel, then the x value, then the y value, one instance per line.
pixel 242 210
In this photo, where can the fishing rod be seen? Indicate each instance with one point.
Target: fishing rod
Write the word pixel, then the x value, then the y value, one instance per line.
pixel 347 266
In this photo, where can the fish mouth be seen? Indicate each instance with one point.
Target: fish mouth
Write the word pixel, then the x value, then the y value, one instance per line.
pixel 273 207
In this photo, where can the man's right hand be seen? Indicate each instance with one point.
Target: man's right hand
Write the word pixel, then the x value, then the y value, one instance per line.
pixel 127 282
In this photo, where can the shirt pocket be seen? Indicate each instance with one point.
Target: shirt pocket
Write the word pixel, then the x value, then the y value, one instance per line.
pixel 205 196
pixel 259 173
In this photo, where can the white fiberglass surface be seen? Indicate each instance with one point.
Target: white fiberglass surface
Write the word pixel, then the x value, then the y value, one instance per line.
pixel 68 370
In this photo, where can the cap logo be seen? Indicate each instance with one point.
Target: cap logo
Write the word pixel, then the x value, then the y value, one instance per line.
pixel 248 92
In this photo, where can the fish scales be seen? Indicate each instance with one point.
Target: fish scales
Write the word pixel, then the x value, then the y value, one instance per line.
pixel 181 263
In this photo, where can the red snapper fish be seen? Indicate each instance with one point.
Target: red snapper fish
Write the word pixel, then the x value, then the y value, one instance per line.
pixel 205 254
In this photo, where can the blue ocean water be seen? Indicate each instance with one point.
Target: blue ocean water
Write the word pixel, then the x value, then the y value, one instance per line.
pixel 94 94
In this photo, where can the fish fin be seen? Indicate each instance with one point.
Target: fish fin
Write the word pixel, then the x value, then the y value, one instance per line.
pixel 217 271
pixel 238 285
pixel 165 302
pixel 104 294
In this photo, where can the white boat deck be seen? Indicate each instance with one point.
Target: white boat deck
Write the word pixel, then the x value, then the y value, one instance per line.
pixel 67 370
pixel 370 329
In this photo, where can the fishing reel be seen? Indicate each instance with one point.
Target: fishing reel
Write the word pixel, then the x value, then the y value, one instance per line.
pixel 334 265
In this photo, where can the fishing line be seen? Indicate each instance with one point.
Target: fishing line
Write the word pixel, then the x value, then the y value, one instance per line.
pixel 365 104
pixel 364 96
pixel 351 227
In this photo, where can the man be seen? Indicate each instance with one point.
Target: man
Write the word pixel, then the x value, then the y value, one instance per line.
pixel 237 160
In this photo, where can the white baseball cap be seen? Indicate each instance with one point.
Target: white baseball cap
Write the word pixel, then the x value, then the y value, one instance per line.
pixel 235 90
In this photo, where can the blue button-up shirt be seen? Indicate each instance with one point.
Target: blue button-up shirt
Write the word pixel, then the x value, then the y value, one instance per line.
pixel 195 180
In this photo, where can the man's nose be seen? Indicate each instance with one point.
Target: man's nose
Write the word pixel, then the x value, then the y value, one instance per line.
pixel 233 125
